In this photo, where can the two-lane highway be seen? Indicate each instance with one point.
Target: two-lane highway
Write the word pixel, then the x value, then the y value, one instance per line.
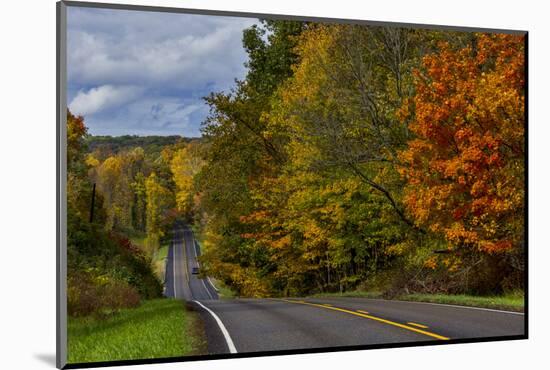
pixel 252 325
pixel 180 281
pixel 283 324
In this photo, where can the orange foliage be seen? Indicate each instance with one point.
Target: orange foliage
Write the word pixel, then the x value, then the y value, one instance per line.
pixel 464 169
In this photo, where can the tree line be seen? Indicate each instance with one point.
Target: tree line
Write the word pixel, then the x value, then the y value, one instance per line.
pixel 121 203
pixel 378 158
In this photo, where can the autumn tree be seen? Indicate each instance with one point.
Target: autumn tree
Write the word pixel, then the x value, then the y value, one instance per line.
pixel 240 151
pixel 78 205
pixel 158 200
pixel 114 185
pixel 465 166
pixel 76 133
pixel 343 98
pixel 185 164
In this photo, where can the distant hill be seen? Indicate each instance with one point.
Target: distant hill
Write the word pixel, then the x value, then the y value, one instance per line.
pixel 115 144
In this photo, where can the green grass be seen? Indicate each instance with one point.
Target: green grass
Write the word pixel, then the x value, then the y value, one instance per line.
pixel 138 240
pixel 511 302
pixel 159 261
pixel 355 293
pixel 224 292
pixel 156 329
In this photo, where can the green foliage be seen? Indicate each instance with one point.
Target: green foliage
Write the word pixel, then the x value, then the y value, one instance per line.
pixel 270 48
pixel 91 293
pixel 90 250
pixel 106 272
pixel 116 144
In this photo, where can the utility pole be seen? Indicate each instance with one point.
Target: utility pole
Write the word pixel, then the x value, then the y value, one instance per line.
pixel 92 206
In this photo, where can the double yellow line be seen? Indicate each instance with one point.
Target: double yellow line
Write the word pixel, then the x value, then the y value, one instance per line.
pixel 366 315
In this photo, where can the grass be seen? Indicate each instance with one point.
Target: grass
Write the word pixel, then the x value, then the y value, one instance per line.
pixel 159 261
pixel 355 293
pixel 510 302
pixel 137 238
pixel 224 292
pixel 156 329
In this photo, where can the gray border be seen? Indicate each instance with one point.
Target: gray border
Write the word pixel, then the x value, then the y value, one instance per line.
pixel 165 9
pixel 61 191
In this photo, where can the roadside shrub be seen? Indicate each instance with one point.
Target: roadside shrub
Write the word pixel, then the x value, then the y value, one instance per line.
pixel 133 266
pixel 436 269
pixel 106 271
pixel 91 293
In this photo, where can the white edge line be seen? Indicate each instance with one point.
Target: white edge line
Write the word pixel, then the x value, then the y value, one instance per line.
pixel 198 264
pixel 468 307
pixel 174 264
pixel 207 291
pixel 195 248
pixel 212 284
pixel 443 304
pixel 224 331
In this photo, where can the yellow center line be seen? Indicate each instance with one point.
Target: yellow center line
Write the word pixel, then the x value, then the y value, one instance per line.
pixel 418 325
pixel 326 304
pixel 363 311
pixel 393 323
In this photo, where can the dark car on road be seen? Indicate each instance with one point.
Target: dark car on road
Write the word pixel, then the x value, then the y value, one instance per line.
pixel 195 270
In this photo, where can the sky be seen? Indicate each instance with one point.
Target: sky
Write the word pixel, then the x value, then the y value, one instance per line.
pixel 145 73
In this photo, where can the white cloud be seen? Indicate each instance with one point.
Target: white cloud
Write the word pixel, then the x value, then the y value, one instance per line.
pixel 158 49
pixel 103 97
pixel 156 115
pixel 135 72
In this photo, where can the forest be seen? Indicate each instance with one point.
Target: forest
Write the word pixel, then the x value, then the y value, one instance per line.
pixel 349 158
pixel 375 158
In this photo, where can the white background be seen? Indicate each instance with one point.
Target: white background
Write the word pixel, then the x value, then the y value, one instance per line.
pixel 27 182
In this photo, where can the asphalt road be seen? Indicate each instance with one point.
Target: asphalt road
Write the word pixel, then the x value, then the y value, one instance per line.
pixel 252 325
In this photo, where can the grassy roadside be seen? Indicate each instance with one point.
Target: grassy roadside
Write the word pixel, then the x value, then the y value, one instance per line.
pixel 159 261
pixel 353 294
pixel 137 239
pixel 510 302
pixel 224 292
pixel 158 328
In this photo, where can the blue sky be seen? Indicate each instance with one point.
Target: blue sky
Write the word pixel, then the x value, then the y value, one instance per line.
pixel 145 73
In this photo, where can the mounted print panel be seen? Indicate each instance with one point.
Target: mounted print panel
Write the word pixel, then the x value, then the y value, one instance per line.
pixel 236 185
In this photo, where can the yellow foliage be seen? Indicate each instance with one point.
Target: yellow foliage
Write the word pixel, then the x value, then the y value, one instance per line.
pixel 185 164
